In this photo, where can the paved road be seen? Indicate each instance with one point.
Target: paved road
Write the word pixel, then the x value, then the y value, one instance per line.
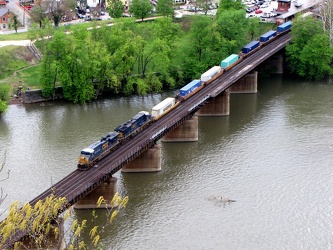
pixel 16 43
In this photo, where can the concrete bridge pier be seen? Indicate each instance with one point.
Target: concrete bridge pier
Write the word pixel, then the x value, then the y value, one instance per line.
pixel 218 106
pixel 148 161
pixel 107 189
pixel 274 64
pixel 186 132
pixel 247 84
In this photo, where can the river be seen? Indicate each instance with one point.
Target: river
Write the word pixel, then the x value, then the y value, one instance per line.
pixel 272 155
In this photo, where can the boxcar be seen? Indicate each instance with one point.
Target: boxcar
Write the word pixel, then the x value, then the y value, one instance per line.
pixel 134 123
pixel 189 88
pixel 269 35
pixel 285 26
pixel 210 73
pixel 162 107
pixel 251 46
pixel 229 61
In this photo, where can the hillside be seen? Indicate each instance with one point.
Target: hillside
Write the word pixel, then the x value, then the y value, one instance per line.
pixel 18 67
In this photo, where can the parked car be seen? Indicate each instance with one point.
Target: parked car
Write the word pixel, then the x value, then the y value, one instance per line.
pixel 265 5
pixel 258 11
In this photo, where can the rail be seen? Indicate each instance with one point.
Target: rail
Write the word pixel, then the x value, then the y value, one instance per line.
pixel 79 183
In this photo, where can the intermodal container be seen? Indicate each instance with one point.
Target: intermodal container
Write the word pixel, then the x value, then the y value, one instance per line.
pixel 265 37
pixel 189 88
pixel 163 106
pixel 229 61
pixel 284 26
pixel 210 73
pixel 251 46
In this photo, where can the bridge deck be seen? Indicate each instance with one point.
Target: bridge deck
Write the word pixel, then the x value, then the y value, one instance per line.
pixel 79 183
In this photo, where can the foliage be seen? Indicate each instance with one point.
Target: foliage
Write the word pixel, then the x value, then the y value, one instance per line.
pixel 115 8
pixel 40 221
pixel 12 59
pixel 229 5
pixel 141 8
pixel 309 53
pixel 233 25
pixel 35 221
pixel 4 97
pixel 57 9
pixel 165 8
pixel 15 23
pixel 38 13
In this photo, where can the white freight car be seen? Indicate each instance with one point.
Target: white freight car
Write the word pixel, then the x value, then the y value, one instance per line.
pixel 162 107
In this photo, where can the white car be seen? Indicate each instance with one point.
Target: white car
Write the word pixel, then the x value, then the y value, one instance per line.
pixel 265 5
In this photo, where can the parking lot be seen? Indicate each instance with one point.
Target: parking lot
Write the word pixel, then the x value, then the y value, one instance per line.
pixel 263 9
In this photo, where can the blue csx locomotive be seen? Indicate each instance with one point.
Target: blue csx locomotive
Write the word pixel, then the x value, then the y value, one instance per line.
pixel 96 151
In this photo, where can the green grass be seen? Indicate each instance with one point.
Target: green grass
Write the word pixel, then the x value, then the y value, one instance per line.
pixel 30 76
pixel 13 58
pixel 16 36
pixel 18 67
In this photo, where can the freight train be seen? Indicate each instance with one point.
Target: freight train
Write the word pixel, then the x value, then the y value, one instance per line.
pixel 91 155
pixel 96 151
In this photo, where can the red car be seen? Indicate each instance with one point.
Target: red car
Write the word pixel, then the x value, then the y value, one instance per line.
pixel 258 11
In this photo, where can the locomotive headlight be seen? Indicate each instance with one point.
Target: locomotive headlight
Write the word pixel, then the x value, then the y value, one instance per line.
pixel 83 160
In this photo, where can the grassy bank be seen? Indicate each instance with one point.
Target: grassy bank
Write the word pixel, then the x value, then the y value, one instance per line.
pixel 18 67
pixel 16 36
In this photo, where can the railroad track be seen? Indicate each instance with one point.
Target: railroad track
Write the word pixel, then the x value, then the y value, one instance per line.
pixel 79 183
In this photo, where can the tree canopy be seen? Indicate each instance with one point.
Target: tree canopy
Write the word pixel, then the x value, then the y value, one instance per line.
pixel 140 58
pixel 141 8
pixel 309 54
pixel 115 8
pixel 165 8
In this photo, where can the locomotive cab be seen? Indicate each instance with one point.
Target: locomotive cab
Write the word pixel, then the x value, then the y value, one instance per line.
pixel 85 157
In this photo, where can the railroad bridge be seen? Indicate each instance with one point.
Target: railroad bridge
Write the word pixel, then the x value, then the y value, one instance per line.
pixel 78 184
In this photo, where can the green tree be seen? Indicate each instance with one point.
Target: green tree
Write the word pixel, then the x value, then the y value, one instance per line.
pixel 57 9
pixel 233 26
pixel 15 23
pixel 38 14
pixel 226 5
pixel 55 52
pixel 165 8
pixel 76 75
pixel 253 27
pixel 141 8
pixel 115 8
pixel 204 5
pixel 4 97
pixel 309 53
